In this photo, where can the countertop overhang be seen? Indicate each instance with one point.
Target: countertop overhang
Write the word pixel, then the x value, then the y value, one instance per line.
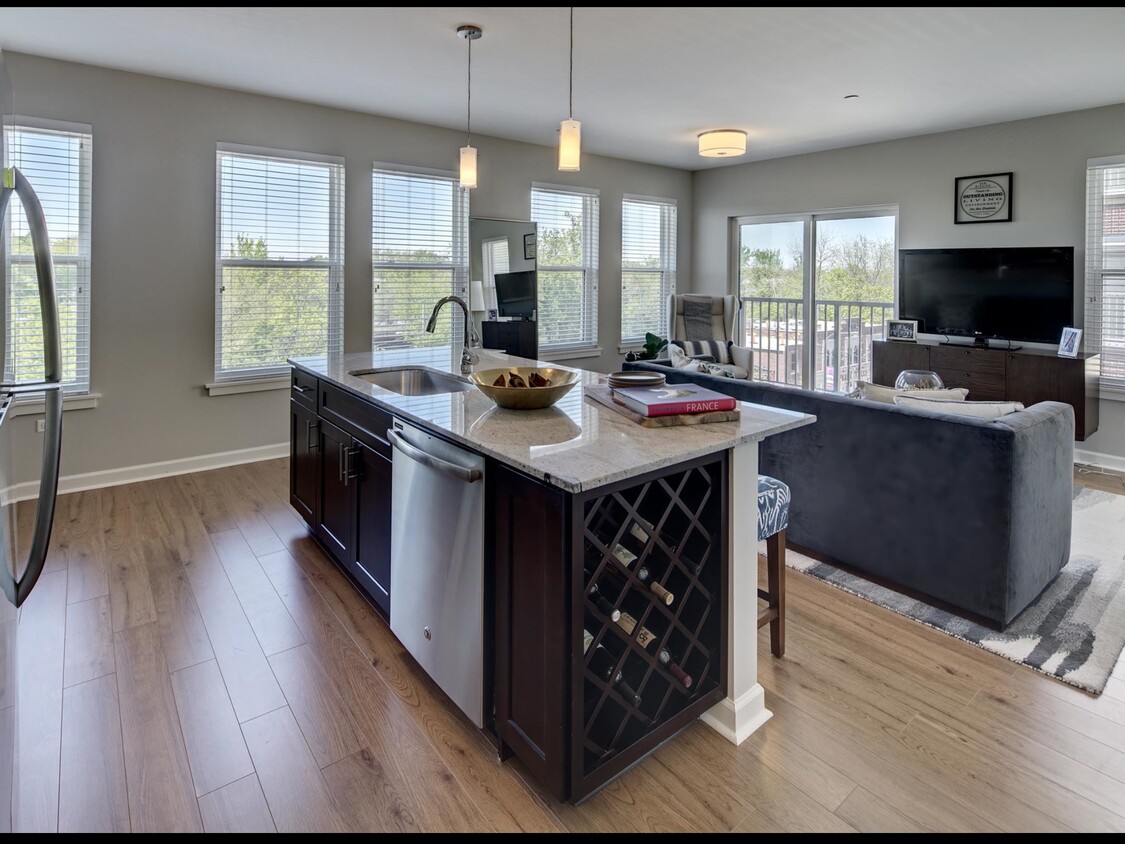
pixel 576 445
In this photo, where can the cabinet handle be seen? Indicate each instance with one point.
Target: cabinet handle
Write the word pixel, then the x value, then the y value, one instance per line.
pixel 310 439
pixel 301 389
pixel 340 456
pixel 350 472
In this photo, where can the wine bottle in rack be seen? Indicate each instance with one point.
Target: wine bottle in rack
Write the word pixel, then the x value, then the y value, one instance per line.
pixel 645 637
pixel 600 601
pixel 661 593
pixel 674 668
pixel 604 665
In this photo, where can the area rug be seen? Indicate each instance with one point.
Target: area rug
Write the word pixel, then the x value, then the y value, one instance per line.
pixel 1074 631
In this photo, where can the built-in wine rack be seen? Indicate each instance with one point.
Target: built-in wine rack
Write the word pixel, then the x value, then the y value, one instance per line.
pixel 650 590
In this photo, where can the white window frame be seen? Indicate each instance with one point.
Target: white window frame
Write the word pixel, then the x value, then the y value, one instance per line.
pixel 664 273
pixel 1098 313
pixel 79 385
pixel 591 233
pixel 256 377
pixel 458 267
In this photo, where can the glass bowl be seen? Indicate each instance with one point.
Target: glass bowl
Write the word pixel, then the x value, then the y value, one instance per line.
pixel 918 379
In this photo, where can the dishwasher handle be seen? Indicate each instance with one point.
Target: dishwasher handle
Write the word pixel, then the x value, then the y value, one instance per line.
pixel 426 459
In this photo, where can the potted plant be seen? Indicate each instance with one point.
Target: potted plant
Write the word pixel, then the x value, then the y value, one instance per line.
pixel 653 347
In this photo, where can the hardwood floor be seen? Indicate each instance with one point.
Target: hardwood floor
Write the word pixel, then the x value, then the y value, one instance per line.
pixel 200 664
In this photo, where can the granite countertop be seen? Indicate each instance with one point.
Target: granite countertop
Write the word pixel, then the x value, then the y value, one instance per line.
pixel 575 445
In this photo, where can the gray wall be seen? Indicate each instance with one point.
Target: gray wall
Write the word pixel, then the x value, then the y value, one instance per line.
pixel 153 271
pixel 1047 156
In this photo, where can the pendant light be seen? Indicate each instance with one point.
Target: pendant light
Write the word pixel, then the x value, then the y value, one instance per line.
pixel 468 173
pixel 570 130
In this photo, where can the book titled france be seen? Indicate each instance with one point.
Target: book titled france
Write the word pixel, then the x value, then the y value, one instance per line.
pixel 672 399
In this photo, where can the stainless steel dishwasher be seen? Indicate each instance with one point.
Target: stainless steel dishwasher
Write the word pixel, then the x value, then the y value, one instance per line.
pixel 437 562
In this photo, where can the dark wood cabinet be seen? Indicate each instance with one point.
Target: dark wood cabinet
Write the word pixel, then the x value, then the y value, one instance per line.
pixel 304 471
pixel 371 562
pixel 1024 375
pixel 335 526
pixel 515 337
pixel 573 725
pixel 340 480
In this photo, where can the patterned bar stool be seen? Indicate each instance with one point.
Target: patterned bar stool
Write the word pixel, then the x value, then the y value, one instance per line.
pixel 773 519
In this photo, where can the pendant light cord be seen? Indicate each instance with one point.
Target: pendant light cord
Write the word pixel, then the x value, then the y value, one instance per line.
pixel 469 99
pixel 571 103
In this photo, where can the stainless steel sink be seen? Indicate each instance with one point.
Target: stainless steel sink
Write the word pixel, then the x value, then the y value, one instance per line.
pixel 412 381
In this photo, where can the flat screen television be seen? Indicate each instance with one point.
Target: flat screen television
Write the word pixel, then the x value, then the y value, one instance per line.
pixel 516 294
pixel 1022 293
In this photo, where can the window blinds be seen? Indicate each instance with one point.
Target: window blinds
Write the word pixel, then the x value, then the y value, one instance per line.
pixel 648 266
pixel 568 225
pixel 279 261
pixel 1105 268
pixel 420 228
pixel 55 158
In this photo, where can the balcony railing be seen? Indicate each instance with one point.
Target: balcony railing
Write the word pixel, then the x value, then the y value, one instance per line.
pixel 775 331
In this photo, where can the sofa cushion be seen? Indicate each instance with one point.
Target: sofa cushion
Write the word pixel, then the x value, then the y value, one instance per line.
pixel 877 392
pixel 717 349
pixel 976 409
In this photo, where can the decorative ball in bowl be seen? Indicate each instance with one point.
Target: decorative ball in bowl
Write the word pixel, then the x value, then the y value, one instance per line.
pixel 532 388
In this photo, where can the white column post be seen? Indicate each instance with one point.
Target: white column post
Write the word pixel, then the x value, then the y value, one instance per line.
pixel 744 708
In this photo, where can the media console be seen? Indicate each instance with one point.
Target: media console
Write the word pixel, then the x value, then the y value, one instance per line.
pixel 1025 375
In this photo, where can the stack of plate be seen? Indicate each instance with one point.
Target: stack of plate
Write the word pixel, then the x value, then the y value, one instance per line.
pixel 635 379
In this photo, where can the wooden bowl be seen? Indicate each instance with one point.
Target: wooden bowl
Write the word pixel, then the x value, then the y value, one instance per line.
pixel 526 398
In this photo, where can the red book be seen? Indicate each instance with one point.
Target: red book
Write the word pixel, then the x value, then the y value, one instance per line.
pixel 672 399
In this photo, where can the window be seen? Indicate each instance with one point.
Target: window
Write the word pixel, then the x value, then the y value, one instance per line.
pixel 816 289
pixel 568 267
pixel 648 266
pixel 279 259
pixel 420 253
pixel 55 158
pixel 1105 268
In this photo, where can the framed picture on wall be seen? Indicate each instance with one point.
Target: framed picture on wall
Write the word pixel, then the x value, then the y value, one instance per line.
pixel 529 247
pixel 903 330
pixel 983 199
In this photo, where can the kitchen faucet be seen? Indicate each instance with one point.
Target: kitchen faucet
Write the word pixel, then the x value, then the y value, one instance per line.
pixel 468 358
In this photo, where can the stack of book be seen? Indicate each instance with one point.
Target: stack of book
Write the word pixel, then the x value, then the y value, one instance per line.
pixel 672 400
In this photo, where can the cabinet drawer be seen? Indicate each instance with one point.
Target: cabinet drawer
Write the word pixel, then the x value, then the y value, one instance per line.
pixel 981 386
pixel 362 420
pixel 303 388
pixel 984 361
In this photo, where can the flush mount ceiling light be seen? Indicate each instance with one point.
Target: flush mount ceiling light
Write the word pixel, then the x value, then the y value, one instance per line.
pixel 570 130
pixel 722 143
pixel 468 152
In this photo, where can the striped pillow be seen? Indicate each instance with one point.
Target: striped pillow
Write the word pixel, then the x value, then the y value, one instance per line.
pixel 718 349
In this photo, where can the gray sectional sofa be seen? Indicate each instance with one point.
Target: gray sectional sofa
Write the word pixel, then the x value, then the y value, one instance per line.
pixel 973 513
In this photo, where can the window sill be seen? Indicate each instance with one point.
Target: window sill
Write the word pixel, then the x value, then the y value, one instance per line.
pixel 75 401
pixel 248 385
pixel 570 354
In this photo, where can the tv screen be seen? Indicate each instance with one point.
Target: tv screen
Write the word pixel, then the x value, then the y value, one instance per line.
pixel 515 294
pixel 1022 293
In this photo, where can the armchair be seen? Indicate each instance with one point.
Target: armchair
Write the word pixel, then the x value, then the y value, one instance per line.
pixel 709 325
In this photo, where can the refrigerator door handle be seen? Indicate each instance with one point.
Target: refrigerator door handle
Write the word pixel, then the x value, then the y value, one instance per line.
pixel 48 490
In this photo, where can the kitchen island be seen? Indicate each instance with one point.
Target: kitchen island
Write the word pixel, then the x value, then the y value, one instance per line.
pixel 616 599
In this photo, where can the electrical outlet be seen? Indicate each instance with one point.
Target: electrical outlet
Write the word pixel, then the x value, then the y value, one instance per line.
pixel 40 426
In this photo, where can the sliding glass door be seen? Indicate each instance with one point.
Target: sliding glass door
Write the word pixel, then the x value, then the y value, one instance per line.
pixel 829 277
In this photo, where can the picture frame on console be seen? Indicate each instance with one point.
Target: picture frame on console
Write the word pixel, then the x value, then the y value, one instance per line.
pixel 529 247
pixel 901 330
pixel 983 199
pixel 1070 343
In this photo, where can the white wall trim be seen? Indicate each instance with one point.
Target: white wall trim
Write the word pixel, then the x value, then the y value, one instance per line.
pixel 76 401
pixel 151 471
pixel 569 354
pixel 248 385
pixel 1103 461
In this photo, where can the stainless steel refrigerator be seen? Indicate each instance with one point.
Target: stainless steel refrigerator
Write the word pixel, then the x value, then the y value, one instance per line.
pixel 25 525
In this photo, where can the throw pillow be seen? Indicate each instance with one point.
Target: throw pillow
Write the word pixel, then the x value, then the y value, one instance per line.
pixel 679 360
pixel 717 349
pixel 888 395
pixel 975 409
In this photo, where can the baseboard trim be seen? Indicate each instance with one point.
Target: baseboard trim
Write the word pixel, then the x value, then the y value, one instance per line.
pixel 737 720
pixel 1103 461
pixel 152 471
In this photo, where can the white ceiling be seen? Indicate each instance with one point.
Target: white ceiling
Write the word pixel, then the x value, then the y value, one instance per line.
pixel 647 80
